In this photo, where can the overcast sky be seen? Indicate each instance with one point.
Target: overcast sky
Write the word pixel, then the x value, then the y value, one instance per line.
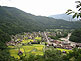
pixel 41 7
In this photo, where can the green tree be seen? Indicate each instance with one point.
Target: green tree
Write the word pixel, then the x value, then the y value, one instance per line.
pixel 75 55
pixel 4 37
pixel 76 36
pixel 53 55
pixel 78 13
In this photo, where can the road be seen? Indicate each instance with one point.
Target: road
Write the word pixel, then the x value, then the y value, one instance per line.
pixel 66 38
pixel 46 38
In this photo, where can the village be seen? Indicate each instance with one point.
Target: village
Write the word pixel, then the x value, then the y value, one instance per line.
pixel 43 38
pixel 37 42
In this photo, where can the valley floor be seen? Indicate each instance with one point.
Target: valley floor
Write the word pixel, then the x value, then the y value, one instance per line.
pixel 35 43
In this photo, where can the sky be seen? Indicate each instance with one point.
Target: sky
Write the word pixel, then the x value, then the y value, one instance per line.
pixel 41 7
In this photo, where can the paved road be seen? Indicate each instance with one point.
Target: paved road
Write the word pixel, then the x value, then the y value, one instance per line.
pixel 46 38
pixel 66 38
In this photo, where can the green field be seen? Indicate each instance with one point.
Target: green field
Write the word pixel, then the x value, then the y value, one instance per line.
pixel 30 40
pixel 36 49
pixel 26 41
pixel 38 38
pixel 67 51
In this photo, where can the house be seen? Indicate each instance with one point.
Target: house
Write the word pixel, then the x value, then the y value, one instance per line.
pixel 67 47
pixel 73 44
pixel 58 46
pixel 64 51
pixel 50 44
pixel 54 44
pixel 57 42
pixel 65 43
pixel 78 44
pixel 20 53
pixel 51 40
pixel 47 45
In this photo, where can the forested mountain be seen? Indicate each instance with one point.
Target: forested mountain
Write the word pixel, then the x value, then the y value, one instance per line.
pixel 63 16
pixel 4 37
pixel 13 20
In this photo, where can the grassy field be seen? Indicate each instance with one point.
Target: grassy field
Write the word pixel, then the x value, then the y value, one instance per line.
pixel 38 38
pixel 30 40
pixel 36 49
pixel 67 51
pixel 26 41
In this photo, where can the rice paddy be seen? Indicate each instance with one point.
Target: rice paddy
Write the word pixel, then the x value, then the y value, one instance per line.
pixel 67 51
pixel 36 49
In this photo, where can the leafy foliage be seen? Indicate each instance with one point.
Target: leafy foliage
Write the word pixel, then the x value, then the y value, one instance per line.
pixel 4 37
pixel 64 34
pixel 78 13
pixel 73 56
pixel 53 55
pixel 76 36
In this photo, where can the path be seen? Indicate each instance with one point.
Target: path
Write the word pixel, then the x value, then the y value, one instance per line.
pixel 46 38
pixel 66 38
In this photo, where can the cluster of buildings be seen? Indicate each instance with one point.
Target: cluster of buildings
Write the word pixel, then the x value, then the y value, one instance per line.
pixel 66 44
pixel 61 44
pixel 19 37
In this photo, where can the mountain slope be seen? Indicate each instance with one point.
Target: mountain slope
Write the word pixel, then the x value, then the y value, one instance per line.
pixel 13 21
pixel 64 17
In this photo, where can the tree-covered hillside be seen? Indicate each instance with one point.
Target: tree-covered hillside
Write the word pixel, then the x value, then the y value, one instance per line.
pixel 3 37
pixel 76 36
pixel 13 20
